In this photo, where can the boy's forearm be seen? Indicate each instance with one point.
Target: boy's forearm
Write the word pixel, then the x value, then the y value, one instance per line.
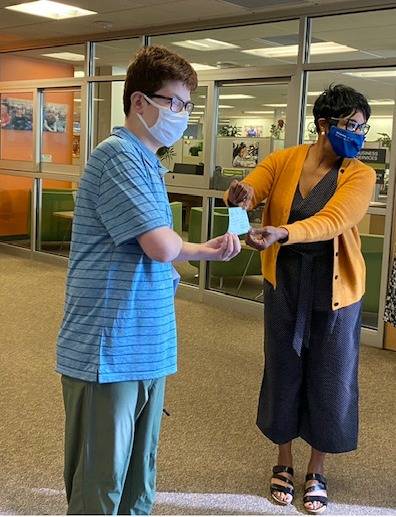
pixel 191 251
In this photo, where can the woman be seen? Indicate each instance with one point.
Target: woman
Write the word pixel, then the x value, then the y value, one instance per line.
pixel 238 155
pixel 314 278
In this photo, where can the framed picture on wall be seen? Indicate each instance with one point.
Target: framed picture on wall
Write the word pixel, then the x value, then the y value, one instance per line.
pixel 54 117
pixel 16 114
pixel 252 131
pixel 244 154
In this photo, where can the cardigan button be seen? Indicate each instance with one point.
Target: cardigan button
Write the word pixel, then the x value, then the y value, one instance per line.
pixel 336 253
pixel 336 304
pixel 342 170
pixel 336 277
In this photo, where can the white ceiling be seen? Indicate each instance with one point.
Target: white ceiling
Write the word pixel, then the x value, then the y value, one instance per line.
pixel 134 15
pixel 372 34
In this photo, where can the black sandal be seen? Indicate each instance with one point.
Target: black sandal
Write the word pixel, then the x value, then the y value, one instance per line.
pixel 321 485
pixel 275 487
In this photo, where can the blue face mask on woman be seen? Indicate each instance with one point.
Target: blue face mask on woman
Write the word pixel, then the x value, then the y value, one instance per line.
pixel 345 143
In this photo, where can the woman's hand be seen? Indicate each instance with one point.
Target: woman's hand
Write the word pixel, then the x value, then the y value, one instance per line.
pixel 262 238
pixel 240 194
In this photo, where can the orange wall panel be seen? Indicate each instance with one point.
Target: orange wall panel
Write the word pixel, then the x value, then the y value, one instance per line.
pixel 18 68
pixel 15 196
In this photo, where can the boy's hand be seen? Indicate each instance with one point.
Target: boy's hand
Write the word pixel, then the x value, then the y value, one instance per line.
pixel 222 248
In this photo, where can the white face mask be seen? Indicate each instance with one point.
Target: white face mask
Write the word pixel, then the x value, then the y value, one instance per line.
pixel 169 127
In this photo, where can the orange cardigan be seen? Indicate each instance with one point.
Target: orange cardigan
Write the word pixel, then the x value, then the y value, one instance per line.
pixel 276 179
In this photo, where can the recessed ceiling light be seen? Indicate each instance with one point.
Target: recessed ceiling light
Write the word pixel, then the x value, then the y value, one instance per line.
pixel 377 73
pixel 276 105
pixel 381 102
pixel 259 112
pixel 200 66
pixel 235 96
pixel 49 9
pixel 66 56
pixel 205 44
pixel 323 47
pixel 96 100
pixel 243 116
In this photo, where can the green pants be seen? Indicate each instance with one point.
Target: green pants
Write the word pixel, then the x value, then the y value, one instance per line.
pixel 111 439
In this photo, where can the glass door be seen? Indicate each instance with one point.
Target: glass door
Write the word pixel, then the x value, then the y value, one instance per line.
pixel 251 123
pixel 379 87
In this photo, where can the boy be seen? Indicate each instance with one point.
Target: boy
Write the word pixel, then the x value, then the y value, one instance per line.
pixel 117 342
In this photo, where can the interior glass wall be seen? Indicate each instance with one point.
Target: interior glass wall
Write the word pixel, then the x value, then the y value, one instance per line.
pixel 113 57
pixel 187 222
pixel 61 126
pixel 16 130
pixel 56 217
pixel 380 92
pixel 48 63
pixel 259 45
pixel 108 110
pixel 15 210
pixel 352 37
pixel 184 157
pixel 251 123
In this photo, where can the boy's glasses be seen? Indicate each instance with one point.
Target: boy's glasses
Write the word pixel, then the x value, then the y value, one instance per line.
pixel 176 104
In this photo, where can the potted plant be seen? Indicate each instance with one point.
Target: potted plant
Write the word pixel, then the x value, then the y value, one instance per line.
pixel 166 154
pixel 384 139
pixel 228 130
pixel 277 129
pixel 195 150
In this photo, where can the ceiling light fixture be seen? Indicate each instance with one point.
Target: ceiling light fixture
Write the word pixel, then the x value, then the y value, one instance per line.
pixel 205 44
pixel 49 9
pixel 381 102
pixel 259 112
pixel 376 73
pixel 198 67
pixel 275 105
pixel 66 56
pixel 323 47
pixel 235 96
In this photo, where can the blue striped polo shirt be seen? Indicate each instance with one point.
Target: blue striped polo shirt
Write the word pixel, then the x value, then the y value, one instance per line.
pixel 119 319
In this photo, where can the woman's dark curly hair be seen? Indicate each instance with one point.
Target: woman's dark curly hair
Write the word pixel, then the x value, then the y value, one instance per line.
pixel 340 101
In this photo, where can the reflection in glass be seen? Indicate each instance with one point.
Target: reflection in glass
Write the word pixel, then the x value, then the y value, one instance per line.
pixel 61 127
pixel 353 37
pixel 113 57
pixel 16 131
pixel 108 109
pixel 241 276
pixel 262 44
pixel 57 210
pixel 251 125
pixel 15 208
pixel 47 63
pixel 188 226
pixel 376 153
